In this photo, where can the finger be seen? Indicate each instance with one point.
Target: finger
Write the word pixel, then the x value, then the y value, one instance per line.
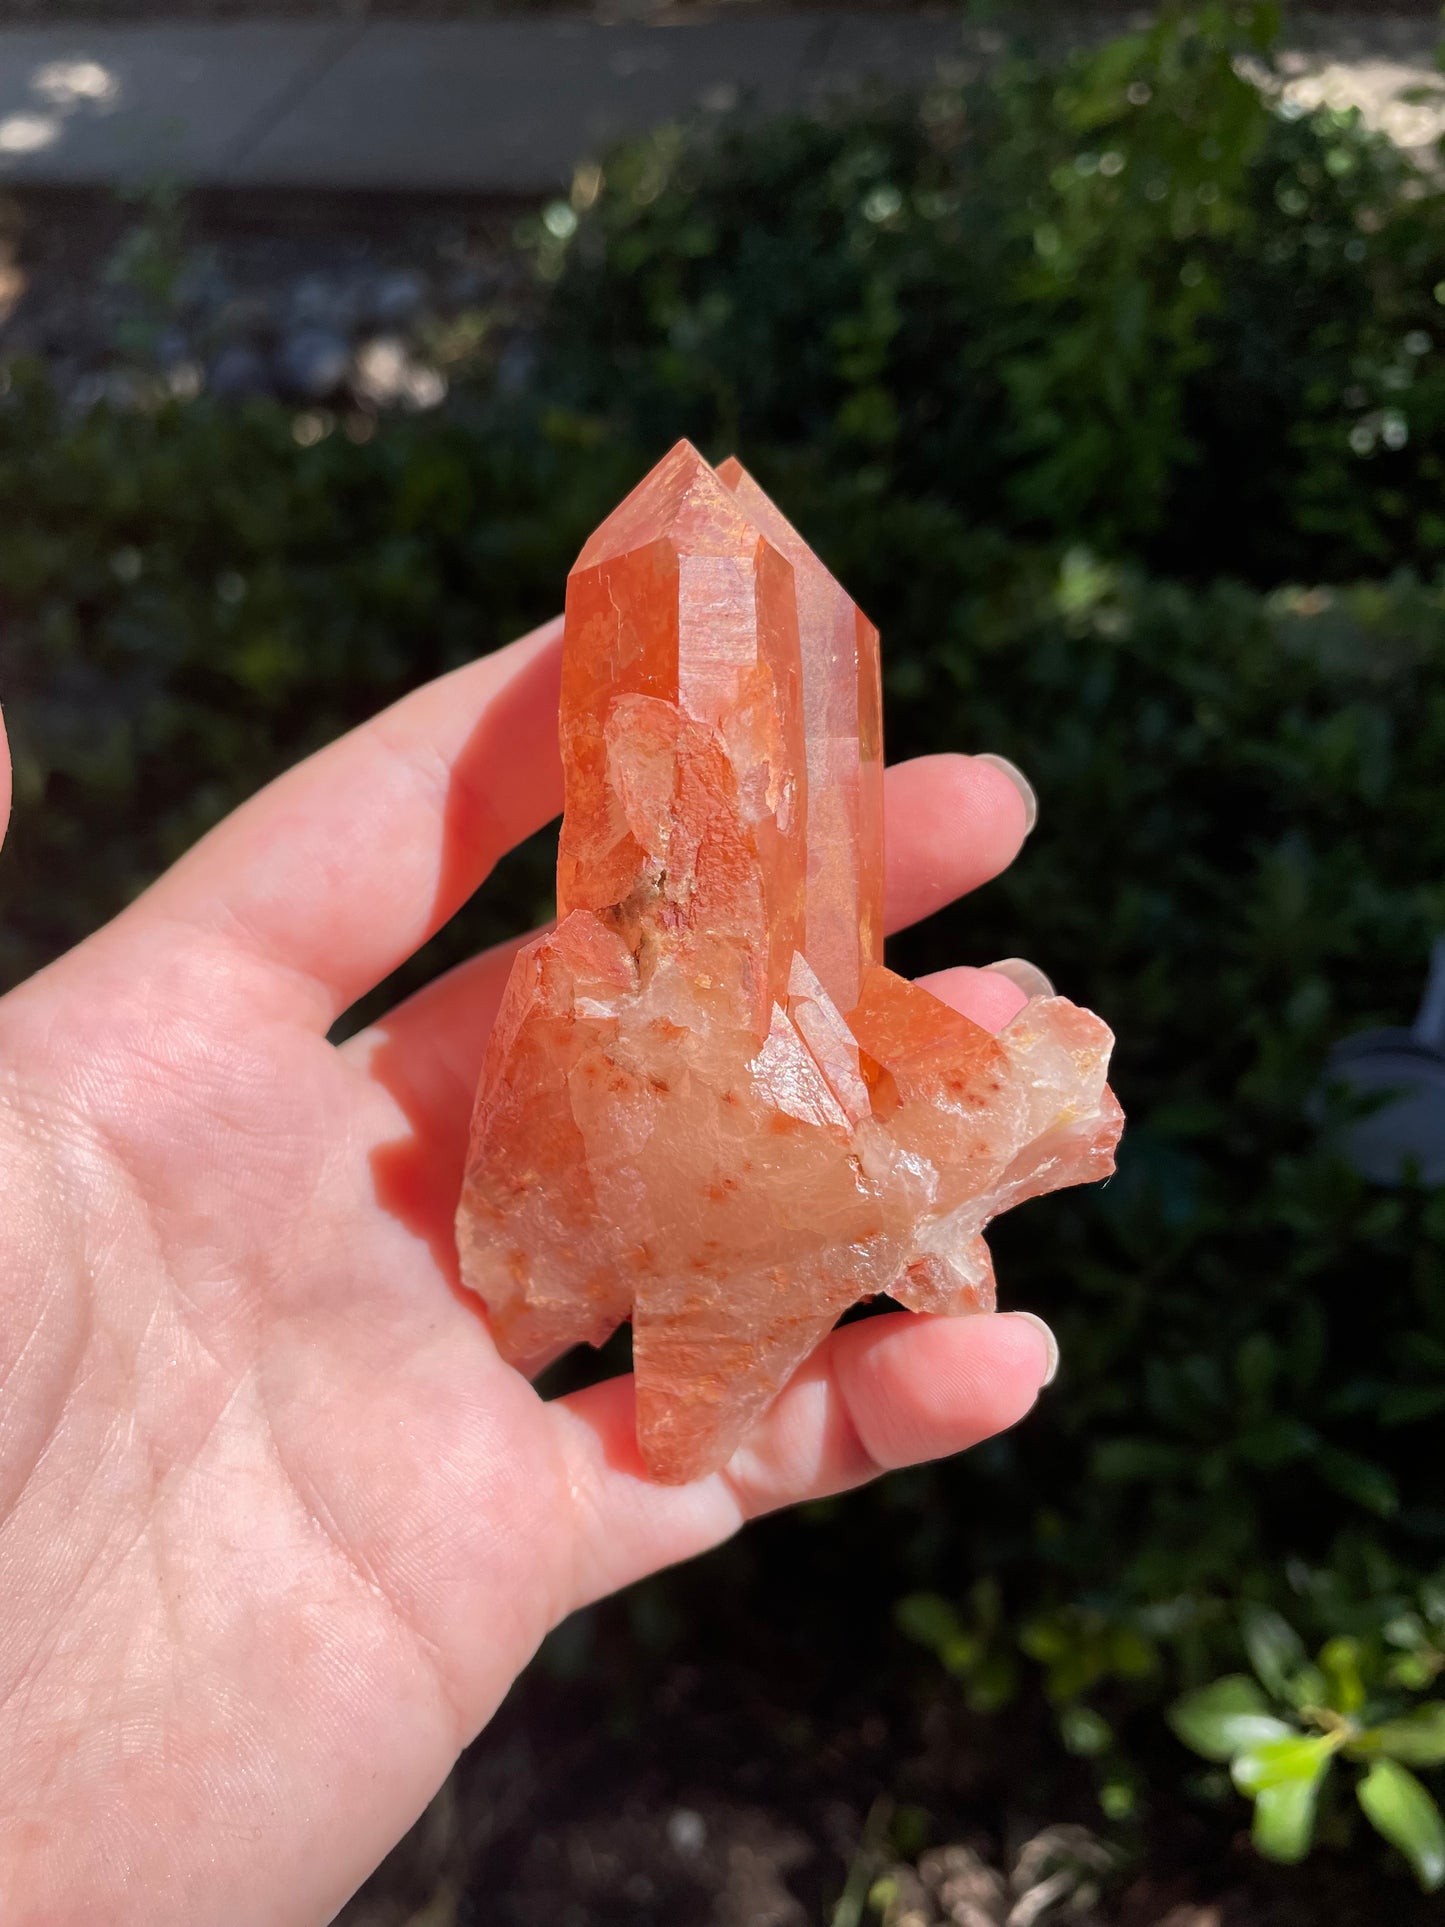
pixel 952 824
pixel 883 1393
pixel 427 1055
pixel 4 780
pixel 428 1051
pixel 988 998
pixel 340 869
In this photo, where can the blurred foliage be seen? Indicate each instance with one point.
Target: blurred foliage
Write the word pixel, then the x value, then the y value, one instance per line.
pixel 195 596
pixel 1064 372
pixel 1139 302
pixel 1280 1732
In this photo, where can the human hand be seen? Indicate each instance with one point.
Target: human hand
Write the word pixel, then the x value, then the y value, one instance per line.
pixel 277 1527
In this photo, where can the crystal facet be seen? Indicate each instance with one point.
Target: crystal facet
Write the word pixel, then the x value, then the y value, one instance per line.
pixel 706 1105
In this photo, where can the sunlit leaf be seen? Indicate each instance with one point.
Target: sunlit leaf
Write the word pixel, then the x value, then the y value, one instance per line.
pixel 1417 1736
pixel 1284 1816
pixel 1224 1719
pixel 1340 1664
pixel 1400 1809
pixel 1083 1731
pixel 1293 1760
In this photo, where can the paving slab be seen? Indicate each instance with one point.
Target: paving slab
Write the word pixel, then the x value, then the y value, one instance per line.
pixel 857 53
pixel 89 105
pixel 512 105
pixel 515 104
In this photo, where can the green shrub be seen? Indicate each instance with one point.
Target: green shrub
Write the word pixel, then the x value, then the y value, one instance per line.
pixel 1281 1731
pixel 1128 303
pixel 193 599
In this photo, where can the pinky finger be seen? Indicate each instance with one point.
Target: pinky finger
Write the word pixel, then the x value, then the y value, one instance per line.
pixel 4 780
pixel 877 1395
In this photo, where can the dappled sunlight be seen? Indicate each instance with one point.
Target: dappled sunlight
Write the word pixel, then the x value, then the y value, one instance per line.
pixel 28 133
pixel 1403 100
pixel 68 83
pixel 60 88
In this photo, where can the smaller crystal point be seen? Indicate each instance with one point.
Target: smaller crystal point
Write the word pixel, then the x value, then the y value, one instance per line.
pixel 706 1105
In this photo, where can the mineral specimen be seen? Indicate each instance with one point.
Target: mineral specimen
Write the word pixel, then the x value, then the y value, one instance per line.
pixel 706 1105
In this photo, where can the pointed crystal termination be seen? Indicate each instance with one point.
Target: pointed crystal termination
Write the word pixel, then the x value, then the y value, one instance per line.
pixel 706 1105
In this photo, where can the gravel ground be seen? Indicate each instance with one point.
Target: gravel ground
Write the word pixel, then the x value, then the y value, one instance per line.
pixel 328 301
pixel 724 1798
pixel 370 302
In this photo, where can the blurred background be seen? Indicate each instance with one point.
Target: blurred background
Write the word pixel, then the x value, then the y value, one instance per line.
pixel 1103 358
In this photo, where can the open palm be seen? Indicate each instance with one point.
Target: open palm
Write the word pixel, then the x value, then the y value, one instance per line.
pixel 277 1527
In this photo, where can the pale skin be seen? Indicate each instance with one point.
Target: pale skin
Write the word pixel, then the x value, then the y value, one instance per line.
pixel 278 1528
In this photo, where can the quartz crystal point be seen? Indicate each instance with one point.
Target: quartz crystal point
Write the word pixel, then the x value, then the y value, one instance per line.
pixel 706 1106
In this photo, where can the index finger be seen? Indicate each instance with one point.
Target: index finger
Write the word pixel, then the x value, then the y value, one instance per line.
pixel 337 871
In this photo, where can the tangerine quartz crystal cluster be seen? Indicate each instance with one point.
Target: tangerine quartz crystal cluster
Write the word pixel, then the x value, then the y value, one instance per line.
pixel 706 1106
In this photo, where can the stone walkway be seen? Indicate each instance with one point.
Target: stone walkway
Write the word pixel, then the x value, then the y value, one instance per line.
pixel 507 106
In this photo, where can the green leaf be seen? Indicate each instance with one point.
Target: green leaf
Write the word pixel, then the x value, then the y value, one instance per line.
pixel 1293 1760
pixel 926 1617
pixel 1277 1441
pixel 1399 1809
pixel 1284 1818
pixel 1083 1731
pixel 1256 1365
pixel 1131 1655
pixel 1126 1461
pixel 1340 1664
pixel 1413 1671
pixel 1417 1736
pixel 1368 1484
pixel 1275 1650
pixel 1046 1639
pixel 1408 1630
pixel 1226 1718
pixel 1408 1404
pixel 960 1653
pixel 992 1684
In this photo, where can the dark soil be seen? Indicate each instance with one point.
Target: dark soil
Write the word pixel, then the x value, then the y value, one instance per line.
pixel 691 1757
pixel 723 1804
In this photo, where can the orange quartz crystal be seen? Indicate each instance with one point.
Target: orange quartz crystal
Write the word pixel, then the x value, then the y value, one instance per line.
pixel 706 1106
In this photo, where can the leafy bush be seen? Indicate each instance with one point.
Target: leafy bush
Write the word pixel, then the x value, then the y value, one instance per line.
pixel 1129 304
pixel 193 599
pixel 1063 433
pixel 1337 1706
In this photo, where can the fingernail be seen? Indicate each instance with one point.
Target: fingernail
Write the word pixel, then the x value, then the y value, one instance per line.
pixel 1052 1370
pixel 1020 782
pixel 1028 977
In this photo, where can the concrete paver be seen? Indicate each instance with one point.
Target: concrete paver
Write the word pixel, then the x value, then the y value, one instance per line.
pixel 515 104
pixel 512 105
pixel 859 51
pixel 101 104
